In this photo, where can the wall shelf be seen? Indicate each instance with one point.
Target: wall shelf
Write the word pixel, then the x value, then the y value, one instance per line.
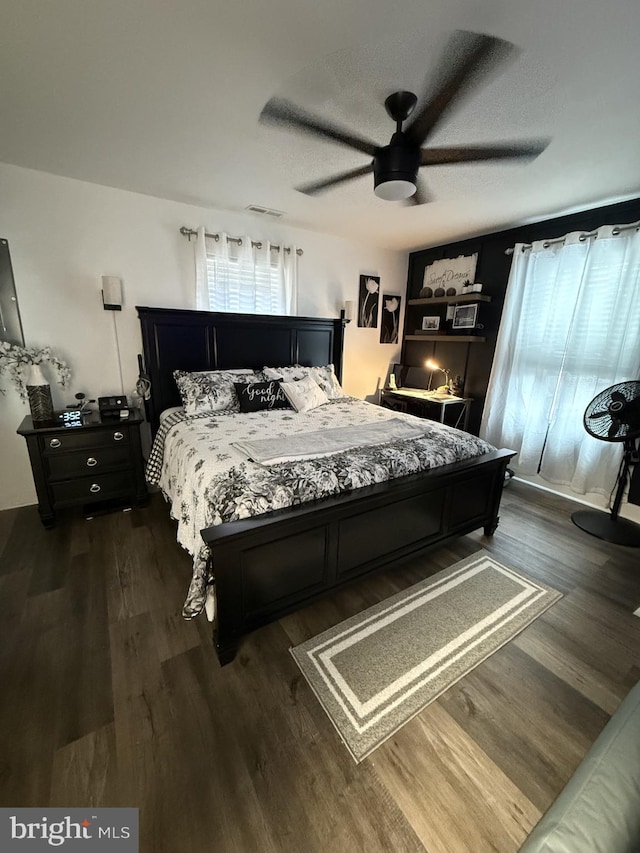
pixel 451 300
pixel 467 339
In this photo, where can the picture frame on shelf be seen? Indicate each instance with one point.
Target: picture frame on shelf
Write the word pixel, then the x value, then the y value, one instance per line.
pixel 431 324
pixel 465 316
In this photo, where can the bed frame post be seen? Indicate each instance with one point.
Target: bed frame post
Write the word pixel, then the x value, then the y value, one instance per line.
pixel 490 528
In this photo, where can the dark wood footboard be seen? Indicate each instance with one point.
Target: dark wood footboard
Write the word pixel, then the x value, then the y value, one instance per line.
pixel 276 563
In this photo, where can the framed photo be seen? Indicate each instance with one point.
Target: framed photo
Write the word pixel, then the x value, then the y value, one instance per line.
pixel 390 320
pixel 430 324
pixel 368 299
pixel 464 316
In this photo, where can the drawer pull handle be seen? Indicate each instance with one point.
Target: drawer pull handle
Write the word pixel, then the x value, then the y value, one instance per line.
pixel 55 442
pixel 91 462
pixel 118 436
pixel 94 488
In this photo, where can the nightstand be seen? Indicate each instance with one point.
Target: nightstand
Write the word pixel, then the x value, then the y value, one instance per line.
pixel 97 465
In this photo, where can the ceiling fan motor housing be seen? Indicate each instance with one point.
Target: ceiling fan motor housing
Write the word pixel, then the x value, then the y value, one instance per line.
pixel 397 161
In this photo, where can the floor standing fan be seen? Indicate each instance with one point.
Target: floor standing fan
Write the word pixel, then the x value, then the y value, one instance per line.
pixel 614 415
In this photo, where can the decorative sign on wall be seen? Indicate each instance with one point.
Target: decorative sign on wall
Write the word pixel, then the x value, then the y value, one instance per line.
pixel 368 301
pixel 449 273
pixel 390 318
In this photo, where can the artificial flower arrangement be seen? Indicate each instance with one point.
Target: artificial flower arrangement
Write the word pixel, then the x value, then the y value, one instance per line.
pixel 14 359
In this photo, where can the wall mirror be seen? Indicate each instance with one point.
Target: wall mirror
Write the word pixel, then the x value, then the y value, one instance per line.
pixel 10 323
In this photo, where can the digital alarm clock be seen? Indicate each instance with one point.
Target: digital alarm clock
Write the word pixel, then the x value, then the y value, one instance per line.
pixel 70 418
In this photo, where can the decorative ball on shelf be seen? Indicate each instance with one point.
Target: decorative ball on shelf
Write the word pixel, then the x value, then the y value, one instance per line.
pixel 426 293
pixel 439 291
pixel 451 291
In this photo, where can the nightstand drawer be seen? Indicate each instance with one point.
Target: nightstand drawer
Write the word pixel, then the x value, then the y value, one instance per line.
pixel 92 488
pixel 88 463
pixel 62 441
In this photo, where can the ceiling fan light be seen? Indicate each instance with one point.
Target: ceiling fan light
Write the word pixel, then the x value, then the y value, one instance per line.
pixel 395 170
pixel 395 190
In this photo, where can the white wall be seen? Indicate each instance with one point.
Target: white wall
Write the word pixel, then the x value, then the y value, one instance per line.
pixel 64 235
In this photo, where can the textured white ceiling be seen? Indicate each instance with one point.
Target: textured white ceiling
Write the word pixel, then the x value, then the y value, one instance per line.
pixel 163 98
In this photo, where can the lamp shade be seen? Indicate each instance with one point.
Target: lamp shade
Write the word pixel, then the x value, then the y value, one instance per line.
pixel 348 310
pixel 112 292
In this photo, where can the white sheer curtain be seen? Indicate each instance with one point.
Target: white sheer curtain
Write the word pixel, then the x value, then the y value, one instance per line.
pixel 244 278
pixel 570 328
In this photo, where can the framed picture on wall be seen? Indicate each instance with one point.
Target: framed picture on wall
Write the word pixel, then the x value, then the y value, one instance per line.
pixel 368 298
pixel 390 318
pixel 464 316
pixel 430 324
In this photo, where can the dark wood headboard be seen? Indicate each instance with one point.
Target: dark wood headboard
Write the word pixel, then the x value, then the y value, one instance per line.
pixel 175 339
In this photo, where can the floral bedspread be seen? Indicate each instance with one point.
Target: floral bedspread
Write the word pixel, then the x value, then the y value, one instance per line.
pixel 208 482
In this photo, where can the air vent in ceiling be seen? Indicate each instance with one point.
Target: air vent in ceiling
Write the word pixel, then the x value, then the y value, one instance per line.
pixel 267 211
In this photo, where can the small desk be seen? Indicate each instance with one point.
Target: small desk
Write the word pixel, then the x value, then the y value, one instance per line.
pixel 419 402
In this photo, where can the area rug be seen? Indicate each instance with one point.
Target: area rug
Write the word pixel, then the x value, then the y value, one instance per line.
pixel 375 671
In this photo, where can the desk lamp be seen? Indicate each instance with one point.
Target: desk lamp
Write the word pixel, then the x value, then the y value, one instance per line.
pixel 431 365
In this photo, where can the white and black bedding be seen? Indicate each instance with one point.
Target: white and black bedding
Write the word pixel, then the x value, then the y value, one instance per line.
pixel 209 481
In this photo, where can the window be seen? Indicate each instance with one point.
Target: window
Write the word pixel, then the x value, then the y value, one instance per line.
pixel 245 277
pixel 570 329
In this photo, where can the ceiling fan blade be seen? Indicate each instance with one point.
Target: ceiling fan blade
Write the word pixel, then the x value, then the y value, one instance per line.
pixel 617 397
pixel 476 153
pixel 280 112
pixel 467 54
pixel 420 196
pixel 602 414
pixel 318 186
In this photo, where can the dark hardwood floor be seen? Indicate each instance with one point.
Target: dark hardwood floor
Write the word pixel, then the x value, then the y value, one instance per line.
pixel 110 698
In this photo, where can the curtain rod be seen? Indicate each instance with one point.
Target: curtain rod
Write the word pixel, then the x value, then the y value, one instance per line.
pixel 582 238
pixel 190 232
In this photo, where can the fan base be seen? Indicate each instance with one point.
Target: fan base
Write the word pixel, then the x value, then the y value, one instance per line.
pixel 620 531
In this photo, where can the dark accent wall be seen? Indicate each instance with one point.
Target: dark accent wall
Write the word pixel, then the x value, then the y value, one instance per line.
pixel 473 361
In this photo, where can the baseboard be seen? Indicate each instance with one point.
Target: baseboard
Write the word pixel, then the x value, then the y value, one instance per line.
pixel 628 511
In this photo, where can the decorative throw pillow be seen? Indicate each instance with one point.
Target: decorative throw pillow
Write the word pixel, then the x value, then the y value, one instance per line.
pixel 328 381
pixel 210 390
pixel 304 394
pixel 261 396
pixel 324 376
pixel 286 374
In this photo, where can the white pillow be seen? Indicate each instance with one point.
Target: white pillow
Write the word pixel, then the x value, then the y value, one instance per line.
pixel 304 394
pixel 324 376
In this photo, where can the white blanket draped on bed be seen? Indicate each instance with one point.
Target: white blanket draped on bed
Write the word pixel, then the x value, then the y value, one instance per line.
pixel 209 481
pixel 313 445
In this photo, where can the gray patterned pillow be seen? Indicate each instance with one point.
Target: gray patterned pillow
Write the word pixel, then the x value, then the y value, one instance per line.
pixel 210 390
pixel 325 377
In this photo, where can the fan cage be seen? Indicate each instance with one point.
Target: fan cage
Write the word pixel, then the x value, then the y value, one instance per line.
pixel 614 414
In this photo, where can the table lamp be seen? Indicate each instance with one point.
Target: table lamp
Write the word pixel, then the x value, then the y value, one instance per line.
pixel 432 365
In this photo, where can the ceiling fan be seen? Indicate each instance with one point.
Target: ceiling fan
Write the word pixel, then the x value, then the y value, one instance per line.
pixel 395 166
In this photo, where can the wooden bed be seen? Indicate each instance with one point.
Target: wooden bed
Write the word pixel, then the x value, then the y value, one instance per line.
pixel 280 561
